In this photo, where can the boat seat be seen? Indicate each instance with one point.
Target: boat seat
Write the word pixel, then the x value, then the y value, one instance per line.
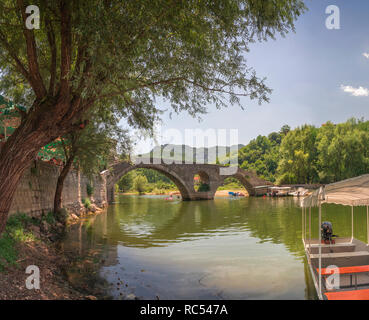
pixel 345 270
pixel 348 295
pixel 340 254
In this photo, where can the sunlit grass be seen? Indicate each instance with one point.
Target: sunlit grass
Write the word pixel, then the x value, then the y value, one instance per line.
pixel 14 234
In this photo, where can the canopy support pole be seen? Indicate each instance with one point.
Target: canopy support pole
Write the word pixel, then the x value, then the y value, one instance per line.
pixel 305 224
pixel 352 223
pixel 320 252
pixel 367 223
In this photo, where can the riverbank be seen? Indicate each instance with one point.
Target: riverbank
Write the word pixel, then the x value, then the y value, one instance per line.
pixel 35 242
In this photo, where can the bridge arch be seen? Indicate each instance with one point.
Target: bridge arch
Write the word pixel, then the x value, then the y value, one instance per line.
pixel 124 169
pixel 245 182
pixel 244 179
pixel 203 177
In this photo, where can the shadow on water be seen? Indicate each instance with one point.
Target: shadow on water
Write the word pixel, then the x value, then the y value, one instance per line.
pixel 248 248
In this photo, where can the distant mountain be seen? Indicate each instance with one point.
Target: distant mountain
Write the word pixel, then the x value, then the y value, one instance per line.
pixel 181 153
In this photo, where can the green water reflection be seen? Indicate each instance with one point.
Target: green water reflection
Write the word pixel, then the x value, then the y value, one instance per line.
pixel 223 249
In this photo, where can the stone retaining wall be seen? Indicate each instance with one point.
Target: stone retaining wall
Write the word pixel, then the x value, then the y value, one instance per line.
pixel 35 192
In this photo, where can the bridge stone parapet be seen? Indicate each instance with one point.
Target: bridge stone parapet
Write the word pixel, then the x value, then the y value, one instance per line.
pixel 182 176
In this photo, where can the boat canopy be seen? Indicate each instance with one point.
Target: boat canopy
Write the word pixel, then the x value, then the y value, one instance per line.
pixel 350 192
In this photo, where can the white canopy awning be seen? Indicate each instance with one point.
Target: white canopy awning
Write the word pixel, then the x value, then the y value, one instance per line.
pixel 350 192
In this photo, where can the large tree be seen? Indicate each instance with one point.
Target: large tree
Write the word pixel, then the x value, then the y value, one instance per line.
pixel 125 53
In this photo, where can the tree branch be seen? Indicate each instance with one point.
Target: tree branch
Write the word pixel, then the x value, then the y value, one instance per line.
pixel 52 44
pixel 37 82
pixel 66 46
pixel 19 65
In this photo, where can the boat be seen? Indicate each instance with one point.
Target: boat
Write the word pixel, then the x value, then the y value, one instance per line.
pixel 236 194
pixel 339 265
pixel 279 191
pixel 300 192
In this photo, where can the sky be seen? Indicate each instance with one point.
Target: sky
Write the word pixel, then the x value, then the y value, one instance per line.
pixel 316 74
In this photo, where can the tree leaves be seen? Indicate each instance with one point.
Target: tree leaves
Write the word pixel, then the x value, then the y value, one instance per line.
pixel 189 52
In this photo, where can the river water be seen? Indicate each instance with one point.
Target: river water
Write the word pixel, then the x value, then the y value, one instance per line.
pixel 249 248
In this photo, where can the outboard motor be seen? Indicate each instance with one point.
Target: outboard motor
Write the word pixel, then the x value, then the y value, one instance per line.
pixel 327 232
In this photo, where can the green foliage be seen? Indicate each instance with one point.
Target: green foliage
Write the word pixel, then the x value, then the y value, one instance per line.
pixel 50 218
pixel 154 176
pixel 298 156
pixel 120 55
pixel 310 155
pixel 261 155
pixel 343 150
pixel 203 187
pixel 89 189
pixel 231 184
pixel 126 182
pixel 15 233
pixel 87 203
pixel 155 180
pixel 140 184
pixel 8 253
pixel 52 150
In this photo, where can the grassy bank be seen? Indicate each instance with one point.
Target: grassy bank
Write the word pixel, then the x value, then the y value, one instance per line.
pixel 15 234
pixel 29 241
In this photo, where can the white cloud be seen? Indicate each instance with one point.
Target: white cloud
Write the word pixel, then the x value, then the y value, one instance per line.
pixel 366 55
pixel 357 92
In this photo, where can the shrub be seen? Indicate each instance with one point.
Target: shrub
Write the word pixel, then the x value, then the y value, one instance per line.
pixel 87 203
pixel 140 184
pixel 50 218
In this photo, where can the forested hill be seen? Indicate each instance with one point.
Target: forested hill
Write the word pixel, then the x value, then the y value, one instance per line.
pixel 309 154
pixel 184 152
pixel 306 154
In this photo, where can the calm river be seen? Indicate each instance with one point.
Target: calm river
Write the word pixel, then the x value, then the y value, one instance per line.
pixel 248 248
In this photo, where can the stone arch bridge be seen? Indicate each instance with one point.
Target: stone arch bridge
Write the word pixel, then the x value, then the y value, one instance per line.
pixel 182 176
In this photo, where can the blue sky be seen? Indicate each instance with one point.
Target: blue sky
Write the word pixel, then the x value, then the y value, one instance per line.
pixel 315 74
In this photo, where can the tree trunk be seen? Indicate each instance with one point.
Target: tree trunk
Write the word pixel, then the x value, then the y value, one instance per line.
pixel 60 184
pixel 15 156
pixel 38 129
pixel 9 177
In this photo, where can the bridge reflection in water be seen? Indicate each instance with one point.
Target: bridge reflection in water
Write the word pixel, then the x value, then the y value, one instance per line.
pixel 233 249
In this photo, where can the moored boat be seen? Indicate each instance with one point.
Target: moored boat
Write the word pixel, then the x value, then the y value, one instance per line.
pixel 339 265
